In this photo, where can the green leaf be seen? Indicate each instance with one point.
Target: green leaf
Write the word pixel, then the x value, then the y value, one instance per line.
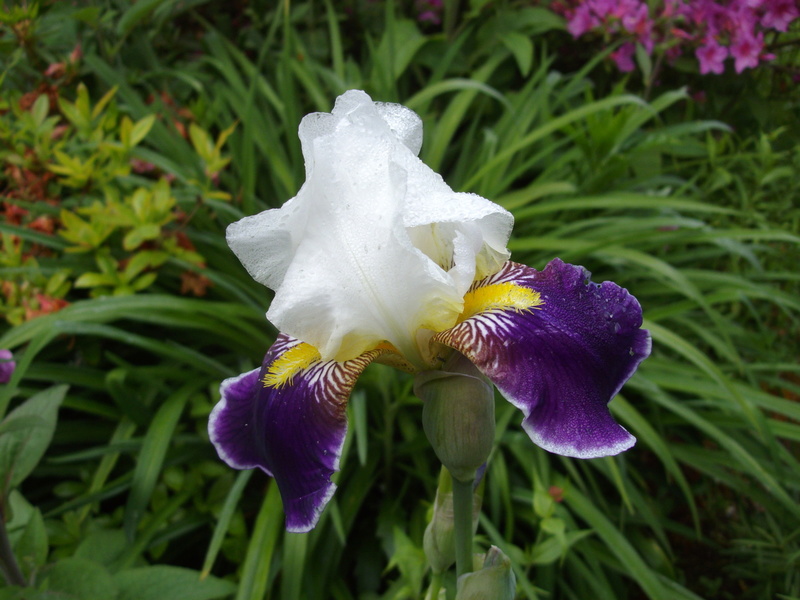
pixel 521 47
pixel 141 129
pixel 71 112
pixel 137 13
pixel 31 548
pixel 163 582
pixel 40 109
pixel 146 259
pixel 619 545
pixel 644 62
pixel 553 548
pixel 201 142
pixel 26 532
pixel 144 282
pixel 103 102
pixel 224 520
pixel 90 280
pixel 138 236
pixel 397 48
pixel 543 503
pixel 254 579
pixel 27 431
pixel 81 579
pixel 104 545
pixel 125 130
pixel 151 457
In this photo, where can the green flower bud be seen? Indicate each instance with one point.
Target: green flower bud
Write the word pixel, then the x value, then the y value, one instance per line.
pixel 495 580
pixel 458 415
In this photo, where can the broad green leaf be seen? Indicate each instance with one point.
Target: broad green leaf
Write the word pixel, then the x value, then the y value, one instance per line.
pixel 164 582
pixel 521 47
pixel 21 448
pixel 104 546
pixel 139 235
pixel 81 579
pixel 32 546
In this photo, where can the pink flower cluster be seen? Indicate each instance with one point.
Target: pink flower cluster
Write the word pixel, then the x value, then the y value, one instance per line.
pixel 714 29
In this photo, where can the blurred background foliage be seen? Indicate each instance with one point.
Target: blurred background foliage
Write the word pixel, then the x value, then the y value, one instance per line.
pixel 131 134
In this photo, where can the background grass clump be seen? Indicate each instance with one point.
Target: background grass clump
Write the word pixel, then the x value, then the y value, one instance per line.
pixel 132 134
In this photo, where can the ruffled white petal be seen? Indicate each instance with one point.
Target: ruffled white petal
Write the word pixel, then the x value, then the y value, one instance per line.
pixel 375 246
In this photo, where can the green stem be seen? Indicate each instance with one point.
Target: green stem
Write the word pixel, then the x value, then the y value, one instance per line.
pixel 462 524
pixel 450 18
pixel 435 586
pixel 8 562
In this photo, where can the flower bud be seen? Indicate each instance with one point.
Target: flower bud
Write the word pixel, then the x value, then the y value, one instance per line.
pixel 7 365
pixel 458 415
pixel 495 580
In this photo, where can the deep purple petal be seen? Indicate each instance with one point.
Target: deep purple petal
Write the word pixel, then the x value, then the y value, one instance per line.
pixel 288 418
pixel 562 360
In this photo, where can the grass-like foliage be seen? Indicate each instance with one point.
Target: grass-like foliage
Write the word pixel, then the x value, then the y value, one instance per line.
pixel 177 118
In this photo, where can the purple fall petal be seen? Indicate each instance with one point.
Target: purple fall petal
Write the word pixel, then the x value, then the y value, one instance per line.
pixel 562 361
pixel 293 427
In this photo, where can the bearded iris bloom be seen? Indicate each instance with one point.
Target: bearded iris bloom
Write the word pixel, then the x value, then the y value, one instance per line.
pixel 377 259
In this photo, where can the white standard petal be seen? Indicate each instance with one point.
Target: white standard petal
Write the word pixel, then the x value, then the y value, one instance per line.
pixel 375 246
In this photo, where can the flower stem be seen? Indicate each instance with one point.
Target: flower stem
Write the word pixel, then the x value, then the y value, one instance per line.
pixel 8 562
pixel 435 586
pixel 462 523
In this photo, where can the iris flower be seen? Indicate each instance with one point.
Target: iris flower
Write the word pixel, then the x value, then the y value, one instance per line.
pixel 377 259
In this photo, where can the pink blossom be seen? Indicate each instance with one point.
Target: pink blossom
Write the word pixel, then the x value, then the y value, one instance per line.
pixel 779 14
pixel 623 56
pixel 582 20
pixel 712 29
pixel 639 24
pixel 712 57
pixel 746 51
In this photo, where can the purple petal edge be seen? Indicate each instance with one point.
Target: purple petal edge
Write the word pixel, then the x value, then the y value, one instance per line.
pixel 561 362
pixel 232 439
pixel 293 431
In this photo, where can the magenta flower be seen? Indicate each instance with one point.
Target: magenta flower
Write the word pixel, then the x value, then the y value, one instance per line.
pixel 711 57
pixel 746 51
pixel 623 57
pixel 377 259
pixel 7 365
pixel 582 20
pixel 779 14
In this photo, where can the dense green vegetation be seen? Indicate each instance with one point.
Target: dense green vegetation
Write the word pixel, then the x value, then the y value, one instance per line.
pixel 132 134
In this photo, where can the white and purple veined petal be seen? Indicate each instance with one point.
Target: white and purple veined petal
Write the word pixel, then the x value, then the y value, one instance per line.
pixel 288 419
pixel 559 348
